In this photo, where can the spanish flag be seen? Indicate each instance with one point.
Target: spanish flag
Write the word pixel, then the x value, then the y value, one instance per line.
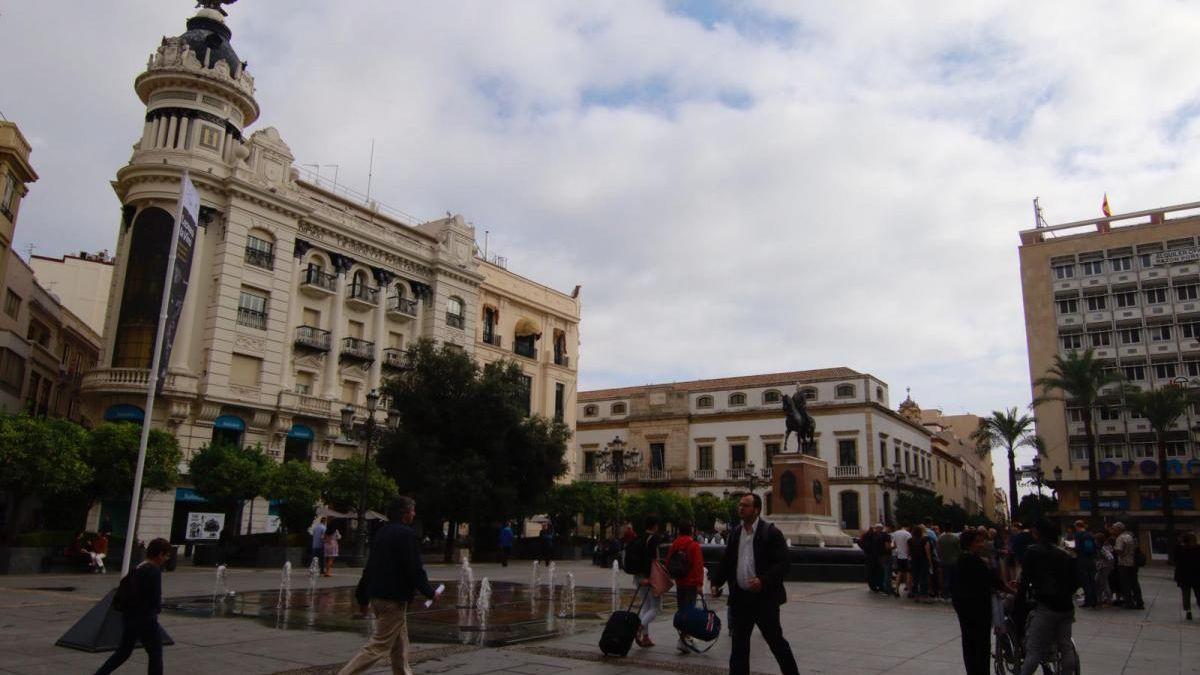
pixel 1104 207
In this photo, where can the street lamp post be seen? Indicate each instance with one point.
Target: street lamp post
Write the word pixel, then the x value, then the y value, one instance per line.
pixel 615 458
pixel 894 477
pixel 369 434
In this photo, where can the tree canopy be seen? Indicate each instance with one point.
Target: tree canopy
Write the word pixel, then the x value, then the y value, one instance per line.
pixel 343 483
pixel 227 475
pixel 1007 429
pixel 298 486
pixel 112 451
pixel 40 457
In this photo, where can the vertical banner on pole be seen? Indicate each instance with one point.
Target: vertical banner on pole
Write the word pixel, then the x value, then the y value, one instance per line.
pixel 185 241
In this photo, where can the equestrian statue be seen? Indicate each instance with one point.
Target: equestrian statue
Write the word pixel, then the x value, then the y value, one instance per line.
pixel 795 408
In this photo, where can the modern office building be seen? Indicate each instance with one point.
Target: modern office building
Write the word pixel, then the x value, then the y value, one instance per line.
pixel 1127 287
pixel 302 295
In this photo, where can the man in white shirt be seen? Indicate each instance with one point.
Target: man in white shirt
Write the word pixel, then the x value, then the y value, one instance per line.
pixel 756 564
pixel 900 539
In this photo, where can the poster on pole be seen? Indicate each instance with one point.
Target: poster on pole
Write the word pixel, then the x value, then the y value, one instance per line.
pixel 188 216
pixel 204 526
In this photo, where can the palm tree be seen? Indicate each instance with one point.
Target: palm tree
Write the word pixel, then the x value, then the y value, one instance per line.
pixel 1161 407
pixel 1077 380
pixel 1010 430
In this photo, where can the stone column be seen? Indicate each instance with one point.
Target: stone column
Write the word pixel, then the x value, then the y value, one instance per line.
pixel 171 128
pixel 181 352
pixel 330 383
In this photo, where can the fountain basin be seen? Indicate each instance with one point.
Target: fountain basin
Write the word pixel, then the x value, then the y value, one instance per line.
pixel 808 563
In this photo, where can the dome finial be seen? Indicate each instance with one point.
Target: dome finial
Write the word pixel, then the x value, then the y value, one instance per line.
pixel 215 5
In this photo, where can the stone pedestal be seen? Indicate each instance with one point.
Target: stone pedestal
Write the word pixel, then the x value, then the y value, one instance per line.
pixel 800 501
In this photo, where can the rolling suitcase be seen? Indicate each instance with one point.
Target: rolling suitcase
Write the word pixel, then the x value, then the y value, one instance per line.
pixel 621 629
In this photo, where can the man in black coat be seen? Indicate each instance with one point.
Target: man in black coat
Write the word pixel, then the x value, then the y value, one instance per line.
pixel 755 564
pixel 393 574
pixel 139 614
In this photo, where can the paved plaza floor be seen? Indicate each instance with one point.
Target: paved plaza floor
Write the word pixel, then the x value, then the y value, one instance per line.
pixel 833 628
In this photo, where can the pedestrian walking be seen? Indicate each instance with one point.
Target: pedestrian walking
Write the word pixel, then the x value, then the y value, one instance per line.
pixel 1126 550
pixel 139 609
pixel 1105 564
pixel 869 542
pixel 886 585
pixel 390 579
pixel 1050 576
pixel 755 564
pixel 318 543
pixel 330 545
pixel 506 543
pixel 900 558
pixel 1187 571
pixel 920 556
pixel 973 585
pixel 640 556
pixel 546 539
pixel 99 552
pixel 1085 561
pixel 949 548
pixel 685 557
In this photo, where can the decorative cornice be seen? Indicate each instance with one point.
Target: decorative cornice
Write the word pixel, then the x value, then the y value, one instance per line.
pixel 331 240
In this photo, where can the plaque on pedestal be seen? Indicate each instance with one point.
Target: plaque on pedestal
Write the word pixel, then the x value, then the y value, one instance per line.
pixel 800 501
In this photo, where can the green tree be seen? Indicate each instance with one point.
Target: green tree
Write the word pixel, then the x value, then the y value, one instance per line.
pixel 343 485
pixel 228 476
pixel 1162 408
pixel 111 451
pixel 1009 430
pixel 467 448
pixel 1077 380
pixel 40 457
pixel 1034 506
pixel 708 509
pixel 298 488
pixel 668 506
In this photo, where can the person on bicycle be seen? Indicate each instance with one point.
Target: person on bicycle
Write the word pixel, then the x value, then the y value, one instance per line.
pixel 974 584
pixel 1049 575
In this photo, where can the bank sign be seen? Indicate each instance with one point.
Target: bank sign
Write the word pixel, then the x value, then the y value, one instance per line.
pixel 1177 256
pixel 1149 468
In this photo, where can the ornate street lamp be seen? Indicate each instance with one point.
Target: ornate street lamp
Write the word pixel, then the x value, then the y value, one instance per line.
pixel 616 459
pixel 369 435
pixel 893 477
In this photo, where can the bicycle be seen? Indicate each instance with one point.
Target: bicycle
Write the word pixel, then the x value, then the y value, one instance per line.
pixel 1009 653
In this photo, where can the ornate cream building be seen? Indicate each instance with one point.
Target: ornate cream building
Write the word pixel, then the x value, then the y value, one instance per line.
pixel 302 296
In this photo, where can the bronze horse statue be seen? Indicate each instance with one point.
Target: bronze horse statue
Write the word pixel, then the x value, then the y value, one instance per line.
pixel 795 408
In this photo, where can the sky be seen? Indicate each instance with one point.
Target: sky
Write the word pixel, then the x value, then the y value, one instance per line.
pixel 739 187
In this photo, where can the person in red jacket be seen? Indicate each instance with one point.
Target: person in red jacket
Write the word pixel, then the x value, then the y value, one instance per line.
pixel 688 586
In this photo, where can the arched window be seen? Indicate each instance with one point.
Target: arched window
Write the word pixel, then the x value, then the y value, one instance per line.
pixel 844 391
pixel 771 396
pixel 454 312
pixel 618 408
pixel 704 402
pixel 809 393
pixel 591 410
pixel 141 295
pixel 737 399
pixel 260 249
pixel 848 501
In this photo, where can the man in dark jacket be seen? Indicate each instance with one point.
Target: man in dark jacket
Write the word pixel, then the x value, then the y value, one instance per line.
pixel 755 564
pixel 139 615
pixel 1049 574
pixel 393 574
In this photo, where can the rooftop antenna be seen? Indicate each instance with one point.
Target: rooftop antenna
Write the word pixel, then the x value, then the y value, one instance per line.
pixel 1039 221
pixel 370 172
pixel 485 244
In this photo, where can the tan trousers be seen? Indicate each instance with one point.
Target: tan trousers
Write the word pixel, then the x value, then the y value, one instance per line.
pixel 390 637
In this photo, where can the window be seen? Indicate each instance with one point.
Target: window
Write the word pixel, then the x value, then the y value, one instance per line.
pixel 589 461
pixel 809 393
pixel 354 329
pixel 260 252
pixel 350 392
pixel 769 451
pixel 1074 415
pixel 1068 306
pixel 591 410
pixel 304 383
pixel 209 138
pixel 771 396
pixel 1102 339
pixel 12 304
pixel 1190 330
pixel 879 393
pixel 1126 299
pixel 1159 333
pixel 1064 271
pixel 737 399
pixel 1130 336
pixel 844 391
pixel 658 456
pixel 618 408
pixel 1093 267
pixel 38 333
pixel 704 402
pixel 1155 296
pixel 1096 303
pixel 1143 450
pixel 1187 292
pixel 245 371
pixel 489 327
pixel 1193 370
pixel 9 198
pixel 454 312
pixel 883 453
pixel 12 371
pixel 704 458
pixel 1177 449
pixel 1134 373
pixel 1166 371
pixel 1108 414
pixel 847 452
pixel 560 394
pixel 1122 264
pixel 527 388
pixel 252 310
pixel 1079 453
pixel 1072 341
pixel 737 456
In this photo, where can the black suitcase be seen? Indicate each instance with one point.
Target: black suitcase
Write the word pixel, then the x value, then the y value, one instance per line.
pixel 621 629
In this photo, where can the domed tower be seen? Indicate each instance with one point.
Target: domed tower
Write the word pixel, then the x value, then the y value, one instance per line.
pixel 909 409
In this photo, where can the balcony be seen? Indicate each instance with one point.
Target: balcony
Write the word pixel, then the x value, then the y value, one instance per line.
pixel 311 405
pixel 589 476
pixel 1100 318
pixel 1103 353
pixel 1187 308
pixel 395 359
pixel 525 349
pixel 1129 351
pixel 455 320
pixel 1069 320
pixel 1093 282
pixel 492 339
pixel 311 337
pixel 562 360
pixel 1123 279
pixel 134 380
pixel 1157 313
pixel 1189 345
pixel 738 474
pixel 767 473
pixel 317 284
pixel 704 474
pixel 1152 273
pixel 362 296
pixel 1188 272
pixel 357 349
pixel 1066 286
pixel 1127 315
pixel 401 308
pixel 1109 427
pixel 657 475
pixel 260 258
pixel 251 318
pixel 1164 348
pixel 847 471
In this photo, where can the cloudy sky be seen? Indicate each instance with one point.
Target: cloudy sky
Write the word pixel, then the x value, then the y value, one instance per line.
pixel 740 187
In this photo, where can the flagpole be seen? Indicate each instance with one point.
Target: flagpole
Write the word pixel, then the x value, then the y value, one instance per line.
pixel 152 386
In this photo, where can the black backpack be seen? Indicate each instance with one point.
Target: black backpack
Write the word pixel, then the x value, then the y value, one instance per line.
pixel 1059 577
pixel 127 598
pixel 678 564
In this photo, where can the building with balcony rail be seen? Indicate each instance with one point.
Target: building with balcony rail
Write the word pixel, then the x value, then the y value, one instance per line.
pixel 715 436
pixel 303 295
pixel 1127 287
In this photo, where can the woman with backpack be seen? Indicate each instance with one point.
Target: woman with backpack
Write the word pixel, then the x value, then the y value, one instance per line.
pixel 685 564
pixel 640 555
